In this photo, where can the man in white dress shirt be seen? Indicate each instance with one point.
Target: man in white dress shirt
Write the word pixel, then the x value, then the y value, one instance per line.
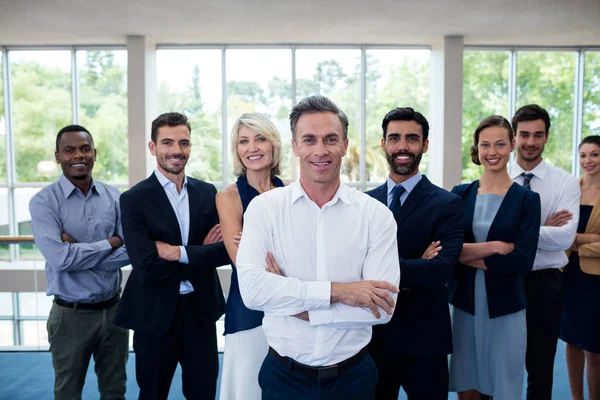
pixel 321 260
pixel 559 194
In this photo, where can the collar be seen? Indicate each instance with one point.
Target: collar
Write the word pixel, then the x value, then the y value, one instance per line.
pixel 343 193
pixel 67 187
pixel 539 171
pixel 164 181
pixel 408 184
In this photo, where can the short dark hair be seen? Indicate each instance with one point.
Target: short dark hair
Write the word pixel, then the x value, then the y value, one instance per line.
pixel 592 139
pixel 315 104
pixel 168 119
pixel 531 112
pixel 490 122
pixel 406 114
pixel 72 128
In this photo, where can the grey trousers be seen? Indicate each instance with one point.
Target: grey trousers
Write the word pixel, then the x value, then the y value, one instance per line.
pixel 75 335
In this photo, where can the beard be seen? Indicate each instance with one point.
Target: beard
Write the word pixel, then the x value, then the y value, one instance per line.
pixel 532 158
pixel 172 169
pixel 80 177
pixel 404 169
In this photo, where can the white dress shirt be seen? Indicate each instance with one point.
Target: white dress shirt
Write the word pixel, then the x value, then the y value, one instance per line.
pixel 351 238
pixel 181 207
pixel 558 191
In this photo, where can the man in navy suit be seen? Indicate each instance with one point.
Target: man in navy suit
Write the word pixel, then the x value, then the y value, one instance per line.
pixel 411 350
pixel 173 296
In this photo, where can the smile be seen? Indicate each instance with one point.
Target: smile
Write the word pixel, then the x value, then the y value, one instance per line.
pixel 493 161
pixel 78 165
pixel 254 158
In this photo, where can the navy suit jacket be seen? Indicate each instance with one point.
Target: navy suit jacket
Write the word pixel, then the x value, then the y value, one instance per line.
pixel 421 321
pixel 517 221
pixel 150 297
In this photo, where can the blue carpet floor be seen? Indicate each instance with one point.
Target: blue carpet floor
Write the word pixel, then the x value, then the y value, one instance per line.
pixel 29 376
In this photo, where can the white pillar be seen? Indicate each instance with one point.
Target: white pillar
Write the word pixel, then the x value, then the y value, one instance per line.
pixel 445 136
pixel 142 103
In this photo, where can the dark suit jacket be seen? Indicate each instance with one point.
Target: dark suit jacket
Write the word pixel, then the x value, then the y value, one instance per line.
pixel 517 221
pixel 150 296
pixel 421 321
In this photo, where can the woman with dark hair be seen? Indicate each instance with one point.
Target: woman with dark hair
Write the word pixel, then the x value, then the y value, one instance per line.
pixel 256 152
pixel 502 223
pixel 580 327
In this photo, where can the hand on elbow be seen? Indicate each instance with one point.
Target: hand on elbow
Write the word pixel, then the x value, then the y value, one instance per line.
pixel 167 252
pixel 503 248
pixel 559 218
pixel 369 294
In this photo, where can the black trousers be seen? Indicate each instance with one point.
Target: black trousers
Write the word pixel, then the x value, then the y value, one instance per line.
pixel 543 290
pixel 280 381
pixel 422 378
pixel 191 342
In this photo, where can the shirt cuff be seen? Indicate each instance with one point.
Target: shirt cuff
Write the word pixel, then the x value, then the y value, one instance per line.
pixel 318 291
pixel 183 257
pixel 320 317
pixel 105 245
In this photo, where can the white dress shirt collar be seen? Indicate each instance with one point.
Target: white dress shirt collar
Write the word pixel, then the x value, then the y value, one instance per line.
pixel 539 171
pixel 341 194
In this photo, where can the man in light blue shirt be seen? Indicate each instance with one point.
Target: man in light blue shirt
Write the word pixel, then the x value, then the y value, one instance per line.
pixel 76 225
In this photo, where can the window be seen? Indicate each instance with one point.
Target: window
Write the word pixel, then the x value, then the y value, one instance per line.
pixel 336 74
pixel 260 80
pixel 591 94
pixel 548 79
pixel 394 78
pixel 41 104
pixel 2 126
pixel 485 93
pixel 189 82
pixel 102 80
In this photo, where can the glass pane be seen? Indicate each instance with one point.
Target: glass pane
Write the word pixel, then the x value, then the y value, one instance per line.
pixel 6 308
pixel 34 333
pixel 260 81
pixel 335 74
pixel 395 78
pixel 22 198
pixel 41 106
pixel 591 94
pixel 189 82
pixel 103 109
pixel 548 79
pixel 4 254
pixel 7 335
pixel 2 126
pixel 34 304
pixel 485 93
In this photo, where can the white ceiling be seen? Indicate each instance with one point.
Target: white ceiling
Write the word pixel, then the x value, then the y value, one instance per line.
pixel 483 22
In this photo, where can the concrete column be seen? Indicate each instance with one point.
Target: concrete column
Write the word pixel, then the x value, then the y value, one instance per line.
pixel 445 136
pixel 142 103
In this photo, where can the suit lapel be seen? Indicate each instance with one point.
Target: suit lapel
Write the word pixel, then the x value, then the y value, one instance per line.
pixel 380 194
pixel 195 202
pixel 165 207
pixel 414 198
pixel 506 208
pixel 470 211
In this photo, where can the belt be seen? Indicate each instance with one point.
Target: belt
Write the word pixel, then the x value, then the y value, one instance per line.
pixel 543 273
pixel 322 372
pixel 101 305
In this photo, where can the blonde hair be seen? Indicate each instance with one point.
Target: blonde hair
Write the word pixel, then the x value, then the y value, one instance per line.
pixel 260 125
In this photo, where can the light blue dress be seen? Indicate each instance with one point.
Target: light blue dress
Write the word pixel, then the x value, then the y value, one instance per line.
pixel 489 354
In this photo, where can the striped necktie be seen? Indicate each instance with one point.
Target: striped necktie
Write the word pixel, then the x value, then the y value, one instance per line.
pixel 527 180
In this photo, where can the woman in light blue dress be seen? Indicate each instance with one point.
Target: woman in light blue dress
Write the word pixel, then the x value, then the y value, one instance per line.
pixel 502 222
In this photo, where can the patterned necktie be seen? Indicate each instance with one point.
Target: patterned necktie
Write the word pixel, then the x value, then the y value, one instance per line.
pixel 527 180
pixel 396 204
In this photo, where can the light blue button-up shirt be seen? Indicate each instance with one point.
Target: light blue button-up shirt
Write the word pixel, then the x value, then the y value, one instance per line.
pixel 181 206
pixel 88 271
pixel 408 185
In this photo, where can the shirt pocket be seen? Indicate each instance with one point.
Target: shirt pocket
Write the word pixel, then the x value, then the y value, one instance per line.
pixel 108 223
